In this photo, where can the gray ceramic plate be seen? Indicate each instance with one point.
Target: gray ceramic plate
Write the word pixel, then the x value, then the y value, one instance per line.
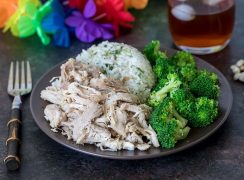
pixel 195 136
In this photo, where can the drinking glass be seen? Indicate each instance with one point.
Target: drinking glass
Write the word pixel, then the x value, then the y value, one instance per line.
pixel 201 26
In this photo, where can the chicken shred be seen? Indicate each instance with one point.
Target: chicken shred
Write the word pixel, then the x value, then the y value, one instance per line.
pixel 91 108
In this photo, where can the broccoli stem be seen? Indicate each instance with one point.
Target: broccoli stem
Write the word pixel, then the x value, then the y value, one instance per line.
pixel 162 93
pixel 182 134
pixel 180 118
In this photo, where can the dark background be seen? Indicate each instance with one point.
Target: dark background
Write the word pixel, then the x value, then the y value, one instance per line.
pixel 219 157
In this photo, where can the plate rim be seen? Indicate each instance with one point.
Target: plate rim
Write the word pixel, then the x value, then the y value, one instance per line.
pixel 146 156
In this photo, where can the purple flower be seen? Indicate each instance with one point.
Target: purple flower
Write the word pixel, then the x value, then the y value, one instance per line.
pixel 86 29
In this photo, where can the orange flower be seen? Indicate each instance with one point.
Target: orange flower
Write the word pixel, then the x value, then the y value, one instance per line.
pixel 7 9
pixel 137 4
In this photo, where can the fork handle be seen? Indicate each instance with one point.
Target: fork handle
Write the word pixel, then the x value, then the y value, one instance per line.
pixel 12 160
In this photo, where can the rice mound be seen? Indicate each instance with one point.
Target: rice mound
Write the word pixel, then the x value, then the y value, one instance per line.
pixel 122 62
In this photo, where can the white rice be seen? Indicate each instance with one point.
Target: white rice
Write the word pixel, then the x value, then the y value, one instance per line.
pixel 122 62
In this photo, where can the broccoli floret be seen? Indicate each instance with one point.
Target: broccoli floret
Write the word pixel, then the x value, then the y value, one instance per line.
pixel 205 84
pixel 211 75
pixel 181 94
pixel 199 111
pixel 188 73
pixel 184 100
pixel 159 60
pixel 160 84
pixel 183 58
pixel 163 67
pixel 168 124
pixel 185 108
pixel 186 65
pixel 163 88
pixel 152 52
pixel 206 110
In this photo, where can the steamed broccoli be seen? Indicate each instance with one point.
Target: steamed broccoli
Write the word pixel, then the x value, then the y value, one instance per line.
pixel 184 100
pixel 211 75
pixel 181 92
pixel 152 52
pixel 163 88
pixel 188 73
pixel 199 111
pixel 183 58
pixel 163 67
pixel 206 110
pixel 159 60
pixel 205 84
pixel 168 124
pixel 186 65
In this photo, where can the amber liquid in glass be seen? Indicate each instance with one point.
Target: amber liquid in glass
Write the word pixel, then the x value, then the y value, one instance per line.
pixel 206 27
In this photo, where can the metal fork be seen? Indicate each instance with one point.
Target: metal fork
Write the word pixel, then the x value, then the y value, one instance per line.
pixel 19 84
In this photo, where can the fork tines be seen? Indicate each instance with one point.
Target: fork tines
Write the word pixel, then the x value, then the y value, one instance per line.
pixel 19 81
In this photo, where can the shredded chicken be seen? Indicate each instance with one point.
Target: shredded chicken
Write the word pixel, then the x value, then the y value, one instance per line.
pixel 55 115
pixel 89 107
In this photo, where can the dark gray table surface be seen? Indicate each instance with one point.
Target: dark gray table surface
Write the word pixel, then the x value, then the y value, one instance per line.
pixel 219 157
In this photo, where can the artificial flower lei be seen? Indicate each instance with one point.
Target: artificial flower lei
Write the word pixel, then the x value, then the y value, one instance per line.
pixel 56 20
